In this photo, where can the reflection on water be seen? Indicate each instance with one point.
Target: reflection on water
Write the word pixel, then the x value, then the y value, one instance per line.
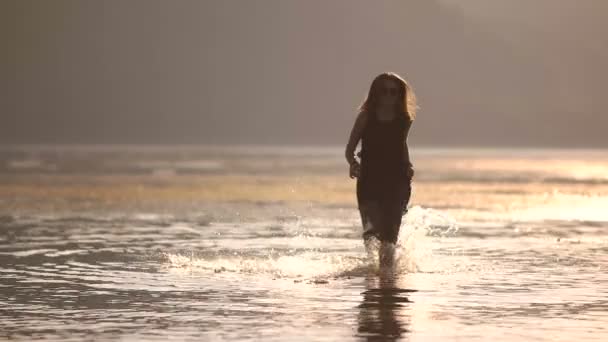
pixel 142 244
pixel 383 312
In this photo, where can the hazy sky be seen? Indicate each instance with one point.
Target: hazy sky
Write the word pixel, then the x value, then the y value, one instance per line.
pixel 486 72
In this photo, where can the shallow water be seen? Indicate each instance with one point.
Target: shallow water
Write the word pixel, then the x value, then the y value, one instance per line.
pixel 233 243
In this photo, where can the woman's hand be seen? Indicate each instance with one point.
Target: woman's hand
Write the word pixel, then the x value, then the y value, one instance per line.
pixel 354 169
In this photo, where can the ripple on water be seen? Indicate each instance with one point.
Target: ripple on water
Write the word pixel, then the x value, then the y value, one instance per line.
pixel 148 276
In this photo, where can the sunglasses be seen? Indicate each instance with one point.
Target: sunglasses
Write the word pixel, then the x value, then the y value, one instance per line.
pixel 389 91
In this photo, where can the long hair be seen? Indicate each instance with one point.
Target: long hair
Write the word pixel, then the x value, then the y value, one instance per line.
pixel 406 102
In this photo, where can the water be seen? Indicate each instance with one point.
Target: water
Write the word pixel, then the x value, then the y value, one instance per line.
pixel 263 243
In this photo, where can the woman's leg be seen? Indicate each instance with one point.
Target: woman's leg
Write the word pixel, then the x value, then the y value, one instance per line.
pixel 393 209
pixel 405 197
pixel 368 210
pixel 389 234
pixel 370 219
pixel 391 214
pixel 382 219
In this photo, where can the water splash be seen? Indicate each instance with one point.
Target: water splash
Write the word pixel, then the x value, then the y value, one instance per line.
pixel 326 260
pixel 429 221
pixel 308 264
pixel 413 249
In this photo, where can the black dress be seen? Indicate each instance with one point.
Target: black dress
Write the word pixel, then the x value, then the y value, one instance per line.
pixel 383 186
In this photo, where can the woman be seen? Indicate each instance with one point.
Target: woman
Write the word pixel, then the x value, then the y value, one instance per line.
pixel 385 172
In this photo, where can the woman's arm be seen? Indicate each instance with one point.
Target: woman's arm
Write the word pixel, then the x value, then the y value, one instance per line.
pixel 406 152
pixel 355 136
pixel 406 156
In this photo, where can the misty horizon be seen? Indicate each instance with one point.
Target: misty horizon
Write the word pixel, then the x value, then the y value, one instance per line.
pixel 486 73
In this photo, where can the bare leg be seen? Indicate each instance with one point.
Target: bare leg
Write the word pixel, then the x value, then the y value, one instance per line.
pixel 371 219
pixel 379 238
pixel 387 254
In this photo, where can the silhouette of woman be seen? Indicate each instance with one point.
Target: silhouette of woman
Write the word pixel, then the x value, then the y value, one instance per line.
pixel 384 173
